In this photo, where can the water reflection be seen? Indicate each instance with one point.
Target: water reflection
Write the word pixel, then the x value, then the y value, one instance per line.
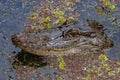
pixel 26 59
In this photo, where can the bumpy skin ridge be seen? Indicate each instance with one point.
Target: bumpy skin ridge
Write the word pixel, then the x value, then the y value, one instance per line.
pixel 65 40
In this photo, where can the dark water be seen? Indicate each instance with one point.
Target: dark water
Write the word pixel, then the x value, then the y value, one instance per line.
pixel 12 17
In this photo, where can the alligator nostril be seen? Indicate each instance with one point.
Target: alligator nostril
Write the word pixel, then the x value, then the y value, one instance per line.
pixel 15 39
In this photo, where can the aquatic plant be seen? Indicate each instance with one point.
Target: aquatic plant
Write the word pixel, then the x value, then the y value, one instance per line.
pixel 53 13
pixel 105 7
pixel 109 4
pixel 57 12
pixel 62 64
pixel 59 78
pixel 104 68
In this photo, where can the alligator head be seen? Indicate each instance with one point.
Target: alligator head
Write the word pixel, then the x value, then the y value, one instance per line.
pixel 64 40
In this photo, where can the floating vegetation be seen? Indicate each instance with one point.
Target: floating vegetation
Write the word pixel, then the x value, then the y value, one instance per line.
pixel 53 13
pixel 59 78
pixel 103 9
pixel 33 15
pixel 107 3
pixel 101 70
pixel 62 64
pixel 118 62
pixel 103 58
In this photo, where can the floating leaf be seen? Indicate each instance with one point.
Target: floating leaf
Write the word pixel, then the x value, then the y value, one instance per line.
pixel 45 22
pixel 60 20
pixel 108 68
pixel 86 78
pixel 69 3
pixel 58 13
pixel 118 70
pixel 107 3
pixel 100 74
pixel 59 78
pixel 47 9
pixel 46 25
pixel 91 73
pixel 96 68
pixel 33 15
pixel 103 57
pixel 33 27
pixel 118 62
pixel 70 18
pixel 111 73
pixel 99 11
pixel 61 62
pixel 112 6
pixel 42 20
pixel 104 64
pixel 47 19
pixel 56 22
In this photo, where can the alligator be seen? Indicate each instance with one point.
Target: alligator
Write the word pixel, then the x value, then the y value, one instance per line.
pixel 67 39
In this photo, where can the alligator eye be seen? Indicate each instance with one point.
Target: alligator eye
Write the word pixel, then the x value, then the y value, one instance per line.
pixel 71 33
pixel 100 26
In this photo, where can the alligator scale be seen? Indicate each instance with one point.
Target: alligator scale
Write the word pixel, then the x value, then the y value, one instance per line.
pixel 63 40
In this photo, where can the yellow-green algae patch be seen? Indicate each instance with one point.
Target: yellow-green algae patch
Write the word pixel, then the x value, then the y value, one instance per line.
pixel 86 67
pixel 102 69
